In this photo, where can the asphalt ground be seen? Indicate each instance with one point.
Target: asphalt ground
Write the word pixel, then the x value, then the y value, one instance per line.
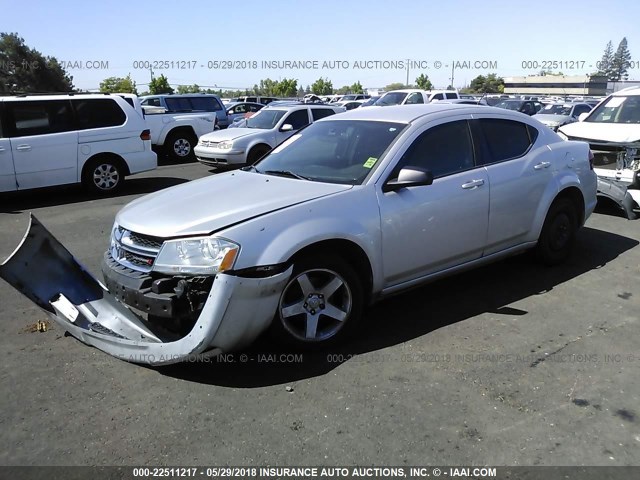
pixel 509 364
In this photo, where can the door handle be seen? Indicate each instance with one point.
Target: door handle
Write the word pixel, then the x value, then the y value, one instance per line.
pixel 23 148
pixel 2 149
pixel 472 184
pixel 541 165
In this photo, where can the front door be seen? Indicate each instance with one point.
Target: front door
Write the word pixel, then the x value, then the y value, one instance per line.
pixel 427 229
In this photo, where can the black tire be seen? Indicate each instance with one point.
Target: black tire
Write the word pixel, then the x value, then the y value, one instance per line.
pixel 103 175
pixel 558 233
pixel 321 290
pixel 256 153
pixel 179 145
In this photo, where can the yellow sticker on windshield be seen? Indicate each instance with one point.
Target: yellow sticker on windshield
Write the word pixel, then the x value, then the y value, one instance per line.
pixel 371 161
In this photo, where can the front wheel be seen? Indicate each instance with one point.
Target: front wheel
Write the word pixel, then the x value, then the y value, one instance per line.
pixel 558 233
pixel 321 304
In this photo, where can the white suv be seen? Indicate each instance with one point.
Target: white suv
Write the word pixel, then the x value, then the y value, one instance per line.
pixel 612 129
pixel 48 140
pixel 263 131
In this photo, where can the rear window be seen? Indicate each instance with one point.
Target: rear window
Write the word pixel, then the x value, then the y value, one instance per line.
pixel 98 113
pixel 452 95
pixel 39 117
pixel 319 113
pixel 506 139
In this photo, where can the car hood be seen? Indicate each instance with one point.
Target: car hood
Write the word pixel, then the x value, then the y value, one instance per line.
pixel 234 133
pixel 604 132
pixel 210 204
pixel 551 118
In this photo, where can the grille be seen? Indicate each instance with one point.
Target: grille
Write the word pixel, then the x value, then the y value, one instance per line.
pixel 145 241
pixel 135 250
pixel 209 143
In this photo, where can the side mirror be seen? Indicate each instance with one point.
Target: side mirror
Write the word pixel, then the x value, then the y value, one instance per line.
pixel 582 116
pixel 409 177
pixel 287 127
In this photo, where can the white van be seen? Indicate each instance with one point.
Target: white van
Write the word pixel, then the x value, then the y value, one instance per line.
pixel 48 140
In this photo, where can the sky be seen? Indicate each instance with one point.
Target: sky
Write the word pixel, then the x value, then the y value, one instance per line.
pixel 231 44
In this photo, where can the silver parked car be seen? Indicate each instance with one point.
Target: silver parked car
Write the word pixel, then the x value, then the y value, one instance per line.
pixel 555 115
pixel 351 209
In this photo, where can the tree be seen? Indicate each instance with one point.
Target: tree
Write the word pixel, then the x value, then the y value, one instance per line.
pixel 489 84
pixel 307 90
pixel 287 87
pixel 423 82
pixel 160 85
pixel 357 88
pixel 394 86
pixel 24 69
pixel 118 85
pixel 322 87
pixel 300 92
pixel 604 67
pixel 343 90
pixel 182 89
pixel 621 62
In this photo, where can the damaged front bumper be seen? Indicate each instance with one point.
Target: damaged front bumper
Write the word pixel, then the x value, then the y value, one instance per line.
pixel 236 311
pixel 618 170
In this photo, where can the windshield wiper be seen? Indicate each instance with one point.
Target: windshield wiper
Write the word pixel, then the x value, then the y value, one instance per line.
pixel 286 173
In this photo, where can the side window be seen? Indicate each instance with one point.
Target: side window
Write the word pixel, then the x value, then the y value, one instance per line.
pixel 318 113
pixel 205 104
pixel 178 104
pixel 251 99
pixel 254 108
pixel 414 98
pixel 506 139
pixel 438 96
pixel 298 119
pixel 152 102
pixel 580 109
pixel 39 117
pixel 452 95
pixel 98 113
pixel 443 149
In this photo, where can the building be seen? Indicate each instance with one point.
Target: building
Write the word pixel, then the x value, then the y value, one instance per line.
pixel 556 85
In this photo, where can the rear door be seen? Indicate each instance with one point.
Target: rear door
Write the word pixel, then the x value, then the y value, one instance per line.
pixel 44 142
pixel 518 172
pixel 7 171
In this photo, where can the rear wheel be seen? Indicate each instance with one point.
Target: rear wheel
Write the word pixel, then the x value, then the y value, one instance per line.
pixel 558 233
pixel 180 145
pixel 103 175
pixel 321 304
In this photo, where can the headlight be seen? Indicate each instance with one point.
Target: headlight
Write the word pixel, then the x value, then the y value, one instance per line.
pixel 198 256
pixel 226 145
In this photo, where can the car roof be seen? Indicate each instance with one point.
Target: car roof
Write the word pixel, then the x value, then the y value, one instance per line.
pixel 409 113
pixel 58 96
pixel 627 91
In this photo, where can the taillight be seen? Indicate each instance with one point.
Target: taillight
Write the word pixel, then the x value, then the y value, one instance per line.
pixel 145 135
pixel 591 157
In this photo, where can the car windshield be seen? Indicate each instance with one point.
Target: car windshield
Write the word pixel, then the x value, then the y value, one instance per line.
pixel 556 110
pixel 391 98
pixel 265 119
pixel 617 109
pixel 509 104
pixel 333 151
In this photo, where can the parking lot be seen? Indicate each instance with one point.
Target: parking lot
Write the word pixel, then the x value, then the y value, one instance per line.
pixel 510 364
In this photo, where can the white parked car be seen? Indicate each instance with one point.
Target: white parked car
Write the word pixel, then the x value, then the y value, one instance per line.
pixel 259 134
pixel 351 209
pixel 411 96
pixel 613 132
pixel 48 140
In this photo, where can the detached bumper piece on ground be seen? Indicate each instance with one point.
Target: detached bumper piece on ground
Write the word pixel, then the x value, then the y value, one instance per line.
pixel 44 271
